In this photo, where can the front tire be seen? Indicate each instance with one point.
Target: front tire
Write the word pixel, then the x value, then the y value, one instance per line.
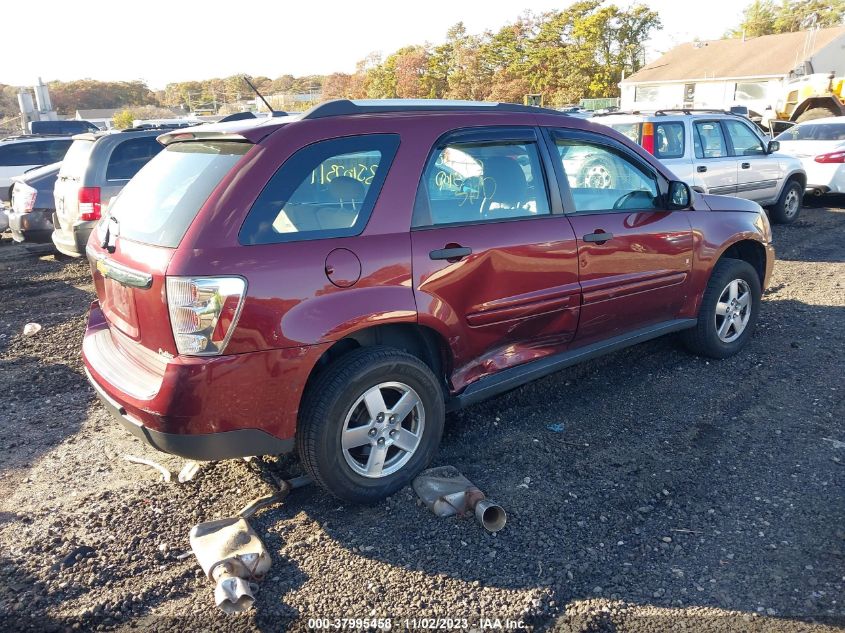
pixel 788 207
pixel 370 423
pixel 729 310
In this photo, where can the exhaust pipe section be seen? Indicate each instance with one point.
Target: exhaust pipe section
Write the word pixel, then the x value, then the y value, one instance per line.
pixel 446 492
pixel 490 515
pixel 232 555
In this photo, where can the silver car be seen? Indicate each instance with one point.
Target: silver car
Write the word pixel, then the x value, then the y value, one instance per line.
pixel 719 153
pixel 96 168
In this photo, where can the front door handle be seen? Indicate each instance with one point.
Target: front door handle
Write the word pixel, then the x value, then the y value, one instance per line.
pixel 746 165
pixel 597 237
pixel 453 253
pixel 701 169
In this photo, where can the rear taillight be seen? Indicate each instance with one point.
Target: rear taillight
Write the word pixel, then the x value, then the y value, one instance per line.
pixel 23 197
pixel 648 137
pixel 89 203
pixel 203 312
pixel 832 157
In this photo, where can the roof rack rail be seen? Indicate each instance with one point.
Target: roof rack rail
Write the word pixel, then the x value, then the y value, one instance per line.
pixel 346 107
pixel 665 111
pixel 17 137
pixel 629 112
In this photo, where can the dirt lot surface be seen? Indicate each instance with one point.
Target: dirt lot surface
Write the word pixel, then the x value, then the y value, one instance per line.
pixel 647 491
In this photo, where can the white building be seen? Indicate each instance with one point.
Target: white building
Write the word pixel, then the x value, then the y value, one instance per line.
pixel 103 118
pixel 723 73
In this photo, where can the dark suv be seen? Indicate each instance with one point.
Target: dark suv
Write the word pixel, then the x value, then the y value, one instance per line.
pixel 335 282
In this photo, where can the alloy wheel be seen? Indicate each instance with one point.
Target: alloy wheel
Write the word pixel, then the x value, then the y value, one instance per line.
pixel 383 429
pixel 733 310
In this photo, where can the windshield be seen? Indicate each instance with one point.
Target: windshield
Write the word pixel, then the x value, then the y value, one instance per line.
pixel 814 132
pixel 158 205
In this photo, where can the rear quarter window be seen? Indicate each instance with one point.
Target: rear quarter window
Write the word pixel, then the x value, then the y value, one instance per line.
pixel 327 189
pixel 54 151
pixel 631 130
pixel 19 154
pixel 669 140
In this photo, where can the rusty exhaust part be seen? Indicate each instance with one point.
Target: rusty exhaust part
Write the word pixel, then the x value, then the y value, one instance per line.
pixel 232 555
pixel 446 492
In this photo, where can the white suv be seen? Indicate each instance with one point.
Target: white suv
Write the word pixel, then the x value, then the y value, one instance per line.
pixel 719 153
pixel 21 153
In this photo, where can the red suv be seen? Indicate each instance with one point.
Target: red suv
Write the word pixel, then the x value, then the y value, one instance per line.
pixel 335 282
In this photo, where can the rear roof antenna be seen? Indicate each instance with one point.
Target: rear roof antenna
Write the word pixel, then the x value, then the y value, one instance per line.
pixel 260 96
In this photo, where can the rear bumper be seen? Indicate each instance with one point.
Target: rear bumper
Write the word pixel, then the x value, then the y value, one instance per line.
pixel 825 177
pixel 200 408
pixel 35 226
pixel 71 240
pixel 204 447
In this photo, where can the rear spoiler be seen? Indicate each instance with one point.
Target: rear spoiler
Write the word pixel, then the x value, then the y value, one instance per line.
pixel 247 131
pixel 182 136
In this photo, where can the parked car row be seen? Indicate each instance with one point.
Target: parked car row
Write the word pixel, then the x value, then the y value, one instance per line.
pixel 61 203
pixel 334 282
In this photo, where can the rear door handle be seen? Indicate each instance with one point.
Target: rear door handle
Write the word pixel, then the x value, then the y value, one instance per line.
pixel 452 253
pixel 746 165
pixel 599 238
pixel 701 169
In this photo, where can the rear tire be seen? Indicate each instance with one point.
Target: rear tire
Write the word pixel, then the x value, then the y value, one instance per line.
pixel 816 113
pixel 733 295
pixel 788 207
pixel 348 439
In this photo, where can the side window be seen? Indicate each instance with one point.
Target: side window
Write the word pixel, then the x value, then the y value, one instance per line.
pixel 129 156
pixel 477 182
pixel 54 151
pixel 20 154
pixel 603 179
pixel 709 140
pixel 669 140
pixel 744 141
pixel 327 189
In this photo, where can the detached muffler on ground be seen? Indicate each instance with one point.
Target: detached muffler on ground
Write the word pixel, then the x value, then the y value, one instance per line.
pixel 446 492
pixel 231 554
pixel 233 557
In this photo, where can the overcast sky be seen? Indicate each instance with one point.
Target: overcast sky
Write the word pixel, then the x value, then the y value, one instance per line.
pixel 161 42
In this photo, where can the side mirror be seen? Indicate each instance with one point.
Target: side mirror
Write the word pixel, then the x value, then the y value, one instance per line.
pixel 773 147
pixel 680 196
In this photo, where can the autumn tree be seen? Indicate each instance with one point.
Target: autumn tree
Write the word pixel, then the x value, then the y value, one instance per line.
pixel 69 96
pixel 764 17
pixel 802 14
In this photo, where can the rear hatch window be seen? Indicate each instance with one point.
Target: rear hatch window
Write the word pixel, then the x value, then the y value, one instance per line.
pixel 76 159
pixel 71 175
pixel 158 205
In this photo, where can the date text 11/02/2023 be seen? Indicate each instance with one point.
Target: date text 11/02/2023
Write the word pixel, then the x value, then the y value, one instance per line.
pixel 416 624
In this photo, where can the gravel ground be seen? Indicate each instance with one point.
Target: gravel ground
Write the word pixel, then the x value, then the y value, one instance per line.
pixel 646 491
